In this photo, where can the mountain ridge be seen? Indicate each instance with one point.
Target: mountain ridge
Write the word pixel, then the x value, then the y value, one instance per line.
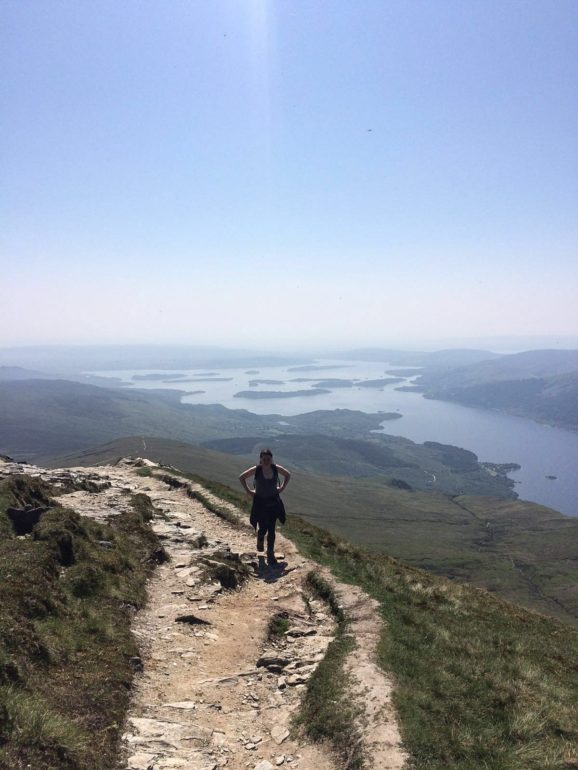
pixel 541 385
pixel 477 681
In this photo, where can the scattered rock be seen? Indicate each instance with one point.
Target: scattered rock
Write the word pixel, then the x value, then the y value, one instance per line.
pixel 297 631
pixel 296 679
pixel 136 663
pixel 219 738
pixel 226 568
pixel 141 761
pixel 279 734
pixel 272 661
pixel 191 619
pixel 197 733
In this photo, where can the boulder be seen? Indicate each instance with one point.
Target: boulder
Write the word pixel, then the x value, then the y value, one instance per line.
pixel 25 519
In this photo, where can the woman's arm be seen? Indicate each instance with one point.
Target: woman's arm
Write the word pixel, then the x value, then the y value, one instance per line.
pixel 286 476
pixel 243 479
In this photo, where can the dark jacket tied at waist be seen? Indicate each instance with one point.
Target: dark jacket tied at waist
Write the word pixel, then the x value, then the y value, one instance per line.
pixel 266 508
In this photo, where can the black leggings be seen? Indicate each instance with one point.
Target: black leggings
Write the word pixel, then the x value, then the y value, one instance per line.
pixel 266 526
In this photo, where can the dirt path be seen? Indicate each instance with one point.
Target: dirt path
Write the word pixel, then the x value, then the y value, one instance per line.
pixel 216 689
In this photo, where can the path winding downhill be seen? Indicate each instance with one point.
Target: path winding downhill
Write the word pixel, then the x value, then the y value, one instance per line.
pixel 215 691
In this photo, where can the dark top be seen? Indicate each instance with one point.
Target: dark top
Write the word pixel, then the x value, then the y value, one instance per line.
pixel 266 488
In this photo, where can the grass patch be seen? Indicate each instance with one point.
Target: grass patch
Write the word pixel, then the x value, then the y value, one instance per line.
pixel 67 595
pixel 480 682
pixel 221 511
pixel 278 626
pixel 142 505
pixel 326 712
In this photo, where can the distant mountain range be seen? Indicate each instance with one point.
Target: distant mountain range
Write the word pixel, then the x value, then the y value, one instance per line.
pixel 450 357
pixel 79 358
pixel 539 384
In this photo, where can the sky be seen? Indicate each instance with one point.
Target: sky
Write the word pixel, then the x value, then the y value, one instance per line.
pixel 288 173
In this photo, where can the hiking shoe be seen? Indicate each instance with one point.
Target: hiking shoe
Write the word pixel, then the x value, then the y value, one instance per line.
pixel 260 544
pixel 271 559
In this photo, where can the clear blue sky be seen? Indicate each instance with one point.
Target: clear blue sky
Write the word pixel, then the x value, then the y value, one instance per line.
pixel 290 172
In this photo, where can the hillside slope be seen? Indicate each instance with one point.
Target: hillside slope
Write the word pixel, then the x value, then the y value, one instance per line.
pixel 42 417
pixel 478 682
pixel 540 384
pixel 521 551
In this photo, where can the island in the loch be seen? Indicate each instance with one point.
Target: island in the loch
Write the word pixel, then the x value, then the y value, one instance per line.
pixel 254 383
pixel 413 372
pixel 156 377
pixel 335 382
pixel 379 383
pixel 317 367
pixel 280 393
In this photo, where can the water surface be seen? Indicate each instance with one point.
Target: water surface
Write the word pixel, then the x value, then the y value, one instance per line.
pixel 541 450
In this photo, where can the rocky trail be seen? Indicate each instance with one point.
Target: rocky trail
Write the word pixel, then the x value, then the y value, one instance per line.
pixel 227 643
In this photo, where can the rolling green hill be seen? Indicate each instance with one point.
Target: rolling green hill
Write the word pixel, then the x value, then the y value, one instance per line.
pixel 397 461
pixel 44 417
pixel 521 551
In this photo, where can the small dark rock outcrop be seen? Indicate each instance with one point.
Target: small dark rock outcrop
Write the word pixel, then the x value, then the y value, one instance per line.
pixel 24 520
pixel 400 484
pixel 192 620
pixel 226 568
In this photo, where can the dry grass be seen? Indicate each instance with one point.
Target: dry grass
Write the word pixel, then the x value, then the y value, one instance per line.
pixel 67 595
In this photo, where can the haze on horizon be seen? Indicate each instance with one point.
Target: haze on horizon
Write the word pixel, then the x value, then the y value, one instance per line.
pixel 273 175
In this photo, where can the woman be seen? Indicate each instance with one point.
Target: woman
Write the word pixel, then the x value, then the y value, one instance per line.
pixel 267 505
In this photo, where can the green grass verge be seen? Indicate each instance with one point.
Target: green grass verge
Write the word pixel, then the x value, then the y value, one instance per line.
pixel 219 510
pixel 480 683
pixel 326 711
pixel 68 592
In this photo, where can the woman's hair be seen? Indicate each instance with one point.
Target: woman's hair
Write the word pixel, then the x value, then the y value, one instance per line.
pixel 265 452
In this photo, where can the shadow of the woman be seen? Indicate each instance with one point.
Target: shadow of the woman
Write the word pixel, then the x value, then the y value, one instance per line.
pixel 269 573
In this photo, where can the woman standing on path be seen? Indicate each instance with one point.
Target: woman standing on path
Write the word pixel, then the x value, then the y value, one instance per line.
pixel 267 504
